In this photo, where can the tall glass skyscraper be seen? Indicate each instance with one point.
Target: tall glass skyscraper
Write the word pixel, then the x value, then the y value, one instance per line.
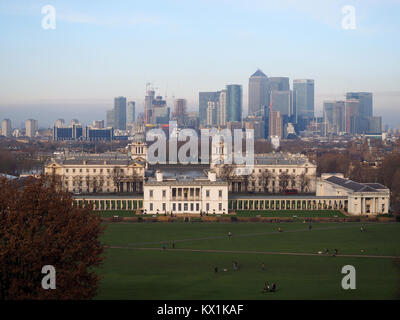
pixel 365 99
pixel 303 98
pixel 258 93
pixel 130 112
pixel 204 98
pixel 279 84
pixel 120 113
pixel 233 102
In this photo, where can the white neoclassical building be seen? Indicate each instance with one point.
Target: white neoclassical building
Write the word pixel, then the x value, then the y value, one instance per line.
pixel 191 194
pixel 101 173
pixel 362 198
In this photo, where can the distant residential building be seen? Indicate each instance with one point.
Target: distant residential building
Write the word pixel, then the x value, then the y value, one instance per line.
pixel 179 113
pixel 148 103
pixel 212 110
pixel 60 123
pixel 110 118
pixel 335 116
pixel 303 98
pixel 204 97
pixel 256 123
pixel 155 109
pixel 120 113
pixel 258 92
pixel 193 120
pixel 234 102
pixel 374 125
pixel 221 112
pixel 130 112
pixel 31 126
pixel 74 121
pixel 275 124
pixel 160 112
pixel 6 129
pixel 98 124
pixel 352 115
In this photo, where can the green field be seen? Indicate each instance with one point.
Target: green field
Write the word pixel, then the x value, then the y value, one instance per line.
pixel 136 267
pixel 290 213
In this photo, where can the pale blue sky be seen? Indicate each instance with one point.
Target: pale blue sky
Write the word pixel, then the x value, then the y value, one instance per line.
pixel 101 49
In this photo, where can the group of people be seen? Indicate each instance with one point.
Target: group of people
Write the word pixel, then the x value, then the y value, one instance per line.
pixel 268 288
pixel 335 252
pixel 172 245
pixel 235 267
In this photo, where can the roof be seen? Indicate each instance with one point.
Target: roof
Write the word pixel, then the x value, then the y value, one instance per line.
pixel 185 182
pixel 89 162
pixel 263 196
pixel 258 73
pixel 356 186
pixel 120 196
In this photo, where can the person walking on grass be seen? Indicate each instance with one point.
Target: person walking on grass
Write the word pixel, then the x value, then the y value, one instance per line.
pixel 262 266
pixel 229 235
pixel 266 287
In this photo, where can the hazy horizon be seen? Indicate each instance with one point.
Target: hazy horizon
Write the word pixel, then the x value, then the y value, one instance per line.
pixel 102 50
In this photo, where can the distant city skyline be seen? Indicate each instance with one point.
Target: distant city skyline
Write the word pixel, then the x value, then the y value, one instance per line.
pixel 76 70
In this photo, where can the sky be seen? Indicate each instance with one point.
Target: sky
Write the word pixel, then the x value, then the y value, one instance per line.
pixel 103 49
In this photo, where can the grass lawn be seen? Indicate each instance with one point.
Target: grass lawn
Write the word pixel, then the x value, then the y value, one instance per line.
pixel 153 273
pixel 112 213
pixel 289 213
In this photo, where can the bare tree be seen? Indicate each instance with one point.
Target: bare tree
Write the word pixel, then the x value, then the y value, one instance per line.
pixel 265 179
pixel 304 182
pixel 284 179
pixel 117 177
pixel 227 173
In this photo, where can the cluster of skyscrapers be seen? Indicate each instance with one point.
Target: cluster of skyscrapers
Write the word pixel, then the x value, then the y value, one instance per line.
pixel 31 128
pixel 221 107
pixel 275 109
pixel 272 105
pixel 353 115
pixel 122 114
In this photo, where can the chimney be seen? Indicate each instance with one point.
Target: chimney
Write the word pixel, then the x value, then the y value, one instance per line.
pixel 159 176
pixel 212 176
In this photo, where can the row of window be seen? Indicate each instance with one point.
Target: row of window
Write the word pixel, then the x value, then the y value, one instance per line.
pixel 95 170
pixel 177 207
pixel 280 170
pixel 185 192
